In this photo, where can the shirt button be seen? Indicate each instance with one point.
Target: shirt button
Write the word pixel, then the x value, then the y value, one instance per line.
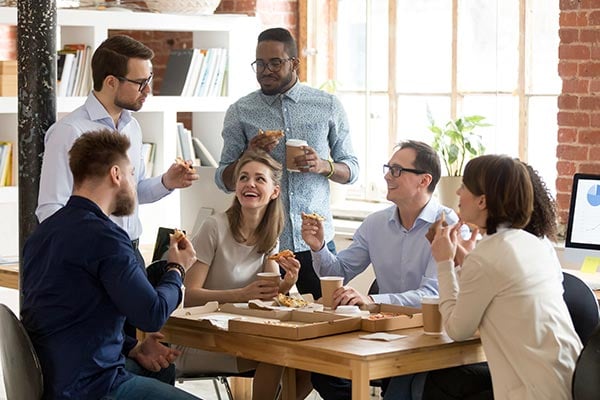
pixel 291 193
pixel 284 109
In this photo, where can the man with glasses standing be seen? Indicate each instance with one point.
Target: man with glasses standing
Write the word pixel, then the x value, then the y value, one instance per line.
pixel 392 240
pixel 301 112
pixel 121 73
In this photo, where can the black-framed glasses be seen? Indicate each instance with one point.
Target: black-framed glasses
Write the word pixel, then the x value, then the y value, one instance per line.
pixel 274 64
pixel 142 83
pixel 396 170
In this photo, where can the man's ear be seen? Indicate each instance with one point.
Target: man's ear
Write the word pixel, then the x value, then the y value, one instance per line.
pixel 426 180
pixel 111 82
pixel 115 175
pixel 295 63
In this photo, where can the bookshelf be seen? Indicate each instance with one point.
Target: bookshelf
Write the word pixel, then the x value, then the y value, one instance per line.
pixel 158 117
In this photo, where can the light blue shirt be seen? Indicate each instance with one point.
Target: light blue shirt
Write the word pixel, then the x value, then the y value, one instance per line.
pixel 56 181
pixel 303 113
pixel 404 267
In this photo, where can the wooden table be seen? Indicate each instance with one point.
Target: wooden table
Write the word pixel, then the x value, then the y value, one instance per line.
pixel 344 355
pixel 9 275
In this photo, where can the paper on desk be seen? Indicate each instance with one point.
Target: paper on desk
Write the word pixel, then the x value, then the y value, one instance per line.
pixel 386 337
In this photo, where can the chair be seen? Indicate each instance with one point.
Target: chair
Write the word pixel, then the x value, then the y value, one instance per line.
pixel 586 385
pixel 582 305
pixel 20 365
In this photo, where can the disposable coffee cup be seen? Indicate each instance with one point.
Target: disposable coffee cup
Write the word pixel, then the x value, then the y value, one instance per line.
pixel 293 149
pixel 432 319
pixel 269 276
pixel 328 285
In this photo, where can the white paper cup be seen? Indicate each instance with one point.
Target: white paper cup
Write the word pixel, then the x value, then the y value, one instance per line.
pixel 293 149
pixel 328 285
pixel 269 276
pixel 432 319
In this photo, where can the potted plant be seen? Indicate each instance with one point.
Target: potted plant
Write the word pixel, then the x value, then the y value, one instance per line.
pixel 456 142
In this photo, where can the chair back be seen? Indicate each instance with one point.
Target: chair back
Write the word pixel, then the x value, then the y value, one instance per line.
pixel 586 385
pixel 20 365
pixel 582 304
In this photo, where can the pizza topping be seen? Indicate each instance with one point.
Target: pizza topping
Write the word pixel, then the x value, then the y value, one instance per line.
pixel 275 134
pixel 383 315
pixel 292 302
pixel 431 232
pixel 314 216
pixel 178 235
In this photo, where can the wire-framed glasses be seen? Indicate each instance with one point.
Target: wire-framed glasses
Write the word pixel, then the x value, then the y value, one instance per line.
pixel 142 83
pixel 273 65
pixel 396 170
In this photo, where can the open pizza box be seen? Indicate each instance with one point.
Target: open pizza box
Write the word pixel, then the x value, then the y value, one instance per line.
pixel 286 324
pixel 388 317
pixel 274 305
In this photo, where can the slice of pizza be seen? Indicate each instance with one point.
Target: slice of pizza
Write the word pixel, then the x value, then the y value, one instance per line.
pixel 314 216
pixel 431 232
pixel 292 302
pixel 275 134
pixel 282 254
pixel 178 235
pixel 181 161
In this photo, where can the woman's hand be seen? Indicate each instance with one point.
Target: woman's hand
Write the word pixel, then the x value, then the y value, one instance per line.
pixel 292 269
pixel 262 289
pixel 444 243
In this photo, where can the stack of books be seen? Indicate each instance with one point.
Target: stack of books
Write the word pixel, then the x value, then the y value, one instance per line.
pixel 192 149
pixel 6 164
pixel 195 72
pixel 73 72
pixel 8 78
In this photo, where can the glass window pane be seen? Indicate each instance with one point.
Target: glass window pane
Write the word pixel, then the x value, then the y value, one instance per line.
pixel 413 122
pixel 542 138
pixel 502 112
pixel 488 45
pixel 362 44
pixel 542 58
pixel 424 46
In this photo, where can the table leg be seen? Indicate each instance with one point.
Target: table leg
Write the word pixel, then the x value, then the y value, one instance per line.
pixel 360 381
pixel 288 384
pixel 241 388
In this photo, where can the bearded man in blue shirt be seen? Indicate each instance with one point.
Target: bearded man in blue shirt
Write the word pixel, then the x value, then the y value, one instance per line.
pixel 303 113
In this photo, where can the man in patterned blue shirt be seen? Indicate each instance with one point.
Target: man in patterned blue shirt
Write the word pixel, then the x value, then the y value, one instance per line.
pixel 302 112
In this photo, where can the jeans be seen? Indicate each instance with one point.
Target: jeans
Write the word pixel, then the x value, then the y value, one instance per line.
pixel 143 388
pixel 308 281
pixel 165 375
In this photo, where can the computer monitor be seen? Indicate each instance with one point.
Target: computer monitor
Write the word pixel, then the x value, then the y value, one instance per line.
pixel 582 244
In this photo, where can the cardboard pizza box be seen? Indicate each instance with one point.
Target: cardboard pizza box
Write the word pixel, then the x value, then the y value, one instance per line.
pixel 389 317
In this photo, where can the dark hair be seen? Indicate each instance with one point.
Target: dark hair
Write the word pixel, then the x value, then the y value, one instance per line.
pixel 111 57
pixel 507 188
pixel 543 220
pixel 271 226
pixel 427 159
pixel 280 35
pixel 94 153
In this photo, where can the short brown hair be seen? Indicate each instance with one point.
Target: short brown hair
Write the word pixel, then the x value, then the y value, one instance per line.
pixel 507 188
pixel 271 226
pixel 94 153
pixel 111 57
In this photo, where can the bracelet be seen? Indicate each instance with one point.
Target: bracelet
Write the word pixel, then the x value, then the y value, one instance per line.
pixel 178 267
pixel 331 169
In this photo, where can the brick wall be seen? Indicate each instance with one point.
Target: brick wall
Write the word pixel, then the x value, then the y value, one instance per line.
pixel 578 147
pixel 8 42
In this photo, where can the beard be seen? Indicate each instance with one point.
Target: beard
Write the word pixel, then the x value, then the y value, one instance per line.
pixel 124 203
pixel 282 87
pixel 131 106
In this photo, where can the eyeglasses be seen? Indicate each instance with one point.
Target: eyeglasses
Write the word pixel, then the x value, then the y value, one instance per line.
pixel 143 83
pixel 274 64
pixel 396 170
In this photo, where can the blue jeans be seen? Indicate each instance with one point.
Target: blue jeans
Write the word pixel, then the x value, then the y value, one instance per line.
pixel 166 375
pixel 143 388
pixel 308 281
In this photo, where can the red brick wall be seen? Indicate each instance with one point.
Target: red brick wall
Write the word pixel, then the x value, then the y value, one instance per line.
pixel 578 117
pixel 8 42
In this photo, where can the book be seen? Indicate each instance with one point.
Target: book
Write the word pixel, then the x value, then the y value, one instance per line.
pixel 148 154
pixel 203 154
pixel 178 66
pixel 192 75
pixel 216 84
pixel 65 73
pixel 5 163
pixel 185 142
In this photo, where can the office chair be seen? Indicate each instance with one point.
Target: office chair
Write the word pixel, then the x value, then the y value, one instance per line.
pixel 582 305
pixel 21 367
pixel 585 384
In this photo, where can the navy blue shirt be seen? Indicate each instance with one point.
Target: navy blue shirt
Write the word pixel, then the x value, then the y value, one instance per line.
pixel 81 279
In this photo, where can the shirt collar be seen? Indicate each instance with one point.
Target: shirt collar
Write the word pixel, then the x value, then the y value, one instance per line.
pixel 429 213
pixel 97 112
pixel 86 204
pixel 292 93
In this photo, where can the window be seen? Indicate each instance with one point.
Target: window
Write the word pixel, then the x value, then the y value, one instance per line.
pixel 396 59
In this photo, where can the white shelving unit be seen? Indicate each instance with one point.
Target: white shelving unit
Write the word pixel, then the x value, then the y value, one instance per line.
pixel 158 117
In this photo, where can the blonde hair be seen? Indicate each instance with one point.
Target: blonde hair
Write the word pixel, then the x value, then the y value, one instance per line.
pixel 271 226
